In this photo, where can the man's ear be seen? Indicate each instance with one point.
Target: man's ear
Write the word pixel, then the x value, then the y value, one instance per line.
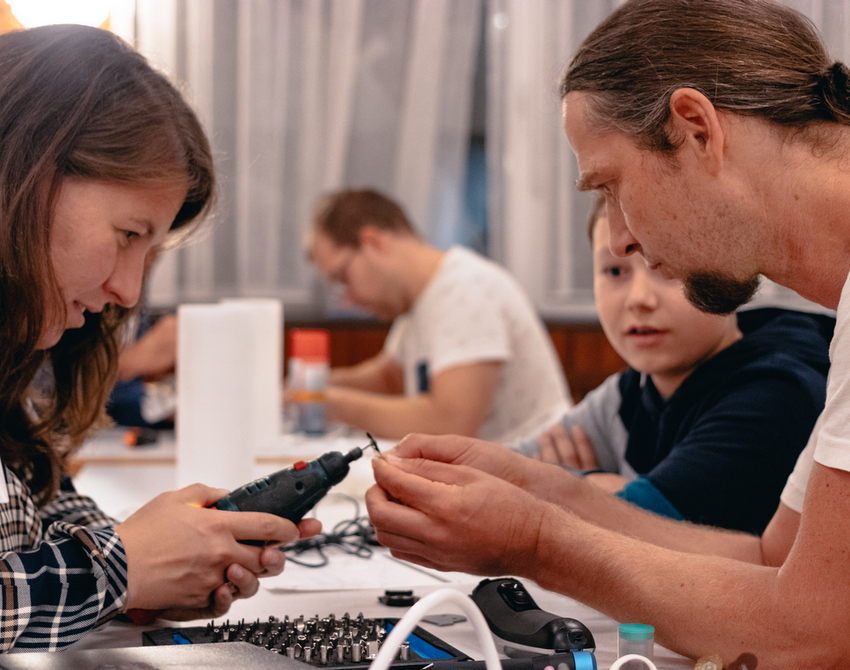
pixel 695 125
pixel 373 237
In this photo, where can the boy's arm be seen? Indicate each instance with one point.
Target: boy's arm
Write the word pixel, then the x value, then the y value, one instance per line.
pixel 597 415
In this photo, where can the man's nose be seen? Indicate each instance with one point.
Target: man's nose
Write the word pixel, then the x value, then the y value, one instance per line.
pixel 622 243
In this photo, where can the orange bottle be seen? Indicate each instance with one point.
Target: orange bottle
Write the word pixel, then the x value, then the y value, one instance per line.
pixel 309 365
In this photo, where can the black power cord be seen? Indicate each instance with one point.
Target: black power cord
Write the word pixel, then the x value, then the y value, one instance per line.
pixel 354 536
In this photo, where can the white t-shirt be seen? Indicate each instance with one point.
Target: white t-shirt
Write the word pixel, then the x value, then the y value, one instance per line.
pixel 829 444
pixel 474 311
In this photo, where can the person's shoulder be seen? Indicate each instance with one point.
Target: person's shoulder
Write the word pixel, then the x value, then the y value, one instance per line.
pixel 783 334
pixel 779 346
pixel 766 322
pixel 466 271
pixel 464 260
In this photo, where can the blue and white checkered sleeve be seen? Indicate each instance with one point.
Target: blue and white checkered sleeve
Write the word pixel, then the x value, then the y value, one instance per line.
pixel 72 507
pixel 55 594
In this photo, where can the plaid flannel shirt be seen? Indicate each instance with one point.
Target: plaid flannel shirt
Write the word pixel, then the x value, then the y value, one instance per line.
pixel 63 569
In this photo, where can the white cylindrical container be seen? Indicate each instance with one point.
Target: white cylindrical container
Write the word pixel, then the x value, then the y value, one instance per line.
pixel 228 389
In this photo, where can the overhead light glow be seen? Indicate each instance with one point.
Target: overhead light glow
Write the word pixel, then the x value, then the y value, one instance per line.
pixel 32 13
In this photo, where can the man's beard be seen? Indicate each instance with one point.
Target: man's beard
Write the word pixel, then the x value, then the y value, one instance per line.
pixel 718 294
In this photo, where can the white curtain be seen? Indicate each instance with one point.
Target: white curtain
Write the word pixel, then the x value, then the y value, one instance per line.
pixel 537 219
pixel 305 96
pixel 535 215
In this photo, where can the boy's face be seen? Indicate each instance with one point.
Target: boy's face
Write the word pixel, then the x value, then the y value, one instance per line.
pixel 647 318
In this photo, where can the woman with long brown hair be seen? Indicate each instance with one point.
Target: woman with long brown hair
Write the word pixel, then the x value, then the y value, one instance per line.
pixel 102 164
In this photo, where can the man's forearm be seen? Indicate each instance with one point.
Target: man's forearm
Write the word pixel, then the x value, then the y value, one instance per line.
pixel 376 375
pixel 603 509
pixel 698 604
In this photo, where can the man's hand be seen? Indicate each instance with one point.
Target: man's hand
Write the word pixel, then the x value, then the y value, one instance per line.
pixel 186 559
pixel 452 517
pixel 537 478
pixel 573 449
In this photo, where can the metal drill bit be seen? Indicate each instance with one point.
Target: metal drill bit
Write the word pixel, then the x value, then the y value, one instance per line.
pixel 374 445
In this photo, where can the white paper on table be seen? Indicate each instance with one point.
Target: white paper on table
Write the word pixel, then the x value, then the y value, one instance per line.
pixel 346 571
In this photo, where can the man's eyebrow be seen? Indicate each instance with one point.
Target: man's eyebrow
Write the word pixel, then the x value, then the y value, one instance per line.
pixel 587 181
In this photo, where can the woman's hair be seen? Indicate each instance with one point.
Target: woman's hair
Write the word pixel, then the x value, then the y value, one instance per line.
pixel 341 215
pixel 751 57
pixel 75 102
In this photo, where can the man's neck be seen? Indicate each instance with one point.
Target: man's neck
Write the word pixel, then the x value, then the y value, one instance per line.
pixel 421 263
pixel 805 218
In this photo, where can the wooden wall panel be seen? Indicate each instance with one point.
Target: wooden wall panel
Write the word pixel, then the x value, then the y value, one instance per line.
pixel 586 356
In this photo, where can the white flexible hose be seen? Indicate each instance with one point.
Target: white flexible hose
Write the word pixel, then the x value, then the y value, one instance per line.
pixel 414 615
pixel 633 657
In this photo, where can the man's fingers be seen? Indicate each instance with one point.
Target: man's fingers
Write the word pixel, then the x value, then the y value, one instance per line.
pixel 413 478
pixel 397 542
pixel 393 519
pixel 444 448
pixel 273 560
pixel 220 601
pixel 309 528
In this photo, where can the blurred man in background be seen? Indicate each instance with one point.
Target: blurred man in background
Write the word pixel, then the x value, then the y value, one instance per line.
pixel 467 352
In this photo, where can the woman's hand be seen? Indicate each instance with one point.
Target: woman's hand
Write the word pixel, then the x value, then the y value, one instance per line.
pixel 186 558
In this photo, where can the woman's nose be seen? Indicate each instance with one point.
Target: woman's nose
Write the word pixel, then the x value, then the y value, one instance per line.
pixel 125 283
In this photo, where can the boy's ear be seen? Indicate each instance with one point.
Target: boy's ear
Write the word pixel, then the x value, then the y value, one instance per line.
pixel 695 124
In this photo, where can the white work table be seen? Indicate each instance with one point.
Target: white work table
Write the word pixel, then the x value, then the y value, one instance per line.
pixel 121 479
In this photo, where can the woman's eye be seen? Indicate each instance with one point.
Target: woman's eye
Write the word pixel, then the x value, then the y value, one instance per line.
pixel 614 271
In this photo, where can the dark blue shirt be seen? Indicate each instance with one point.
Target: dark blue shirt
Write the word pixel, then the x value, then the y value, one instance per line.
pixel 720 449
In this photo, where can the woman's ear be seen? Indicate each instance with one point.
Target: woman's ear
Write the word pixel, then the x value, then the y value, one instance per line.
pixel 695 126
